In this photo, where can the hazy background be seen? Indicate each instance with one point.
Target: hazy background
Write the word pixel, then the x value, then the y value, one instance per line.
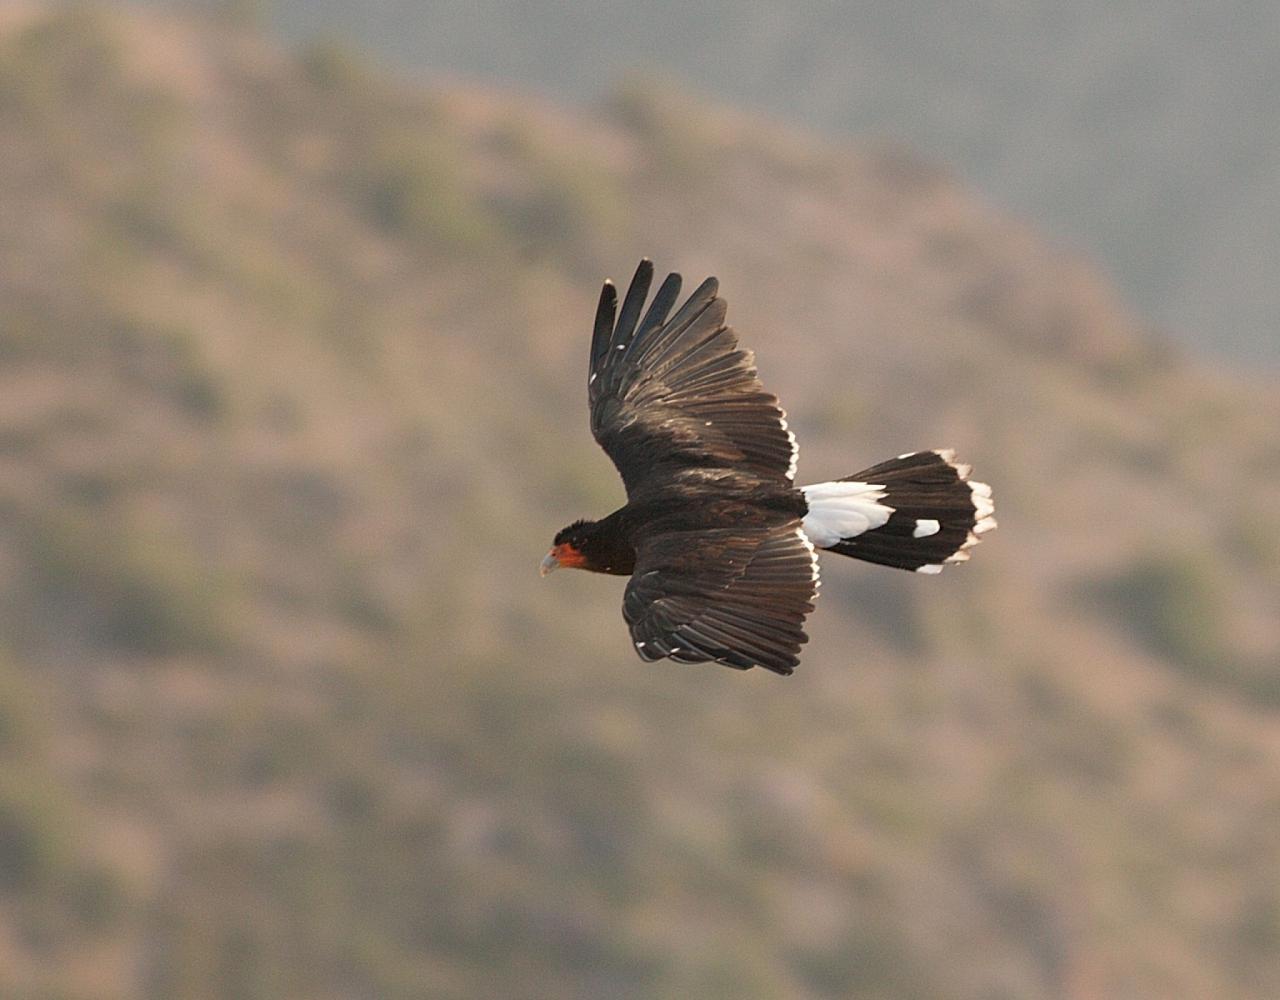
pixel 292 385
pixel 1141 132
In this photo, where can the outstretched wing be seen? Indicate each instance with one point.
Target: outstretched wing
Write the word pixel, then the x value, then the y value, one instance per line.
pixel 669 394
pixel 730 596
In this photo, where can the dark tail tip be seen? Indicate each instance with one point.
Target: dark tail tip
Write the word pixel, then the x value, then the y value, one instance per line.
pixel 938 513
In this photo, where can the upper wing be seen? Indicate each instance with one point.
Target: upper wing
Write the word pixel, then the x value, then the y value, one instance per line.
pixel 670 394
pixel 733 596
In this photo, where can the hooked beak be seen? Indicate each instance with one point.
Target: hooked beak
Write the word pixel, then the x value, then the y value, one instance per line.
pixel 549 563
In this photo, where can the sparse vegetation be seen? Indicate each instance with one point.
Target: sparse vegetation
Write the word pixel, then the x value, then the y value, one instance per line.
pixel 414 186
pixel 673 140
pixel 1175 603
pixel 290 400
pixel 121 588
pixel 570 206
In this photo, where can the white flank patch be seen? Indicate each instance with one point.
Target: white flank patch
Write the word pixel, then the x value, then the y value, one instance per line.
pixel 842 510
pixel 930 568
pixel 925 527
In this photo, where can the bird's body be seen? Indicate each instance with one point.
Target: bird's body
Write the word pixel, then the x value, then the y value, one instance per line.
pixel 718 540
pixel 695 503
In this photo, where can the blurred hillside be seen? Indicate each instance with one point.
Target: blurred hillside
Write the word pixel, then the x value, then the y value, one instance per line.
pixel 1140 130
pixel 292 383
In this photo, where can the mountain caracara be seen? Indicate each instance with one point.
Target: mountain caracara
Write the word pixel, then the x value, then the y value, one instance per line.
pixel 718 540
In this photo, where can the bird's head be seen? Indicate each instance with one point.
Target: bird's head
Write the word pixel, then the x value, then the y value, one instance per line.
pixel 599 546
pixel 571 547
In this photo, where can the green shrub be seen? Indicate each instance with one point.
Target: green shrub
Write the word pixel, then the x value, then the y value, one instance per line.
pixel 672 130
pixel 169 362
pixel 18 711
pixel 124 588
pixel 68 56
pixel 873 960
pixel 573 208
pixel 33 836
pixel 413 187
pixel 96 897
pixel 1176 604
pixel 331 66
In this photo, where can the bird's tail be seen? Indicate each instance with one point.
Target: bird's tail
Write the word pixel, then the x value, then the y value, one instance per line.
pixel 918 511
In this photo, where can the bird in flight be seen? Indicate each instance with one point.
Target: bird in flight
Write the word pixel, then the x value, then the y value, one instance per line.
pixel 719 542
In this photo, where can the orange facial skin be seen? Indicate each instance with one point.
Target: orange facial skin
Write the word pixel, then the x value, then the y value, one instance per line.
pixel 563 555
pixel 567 555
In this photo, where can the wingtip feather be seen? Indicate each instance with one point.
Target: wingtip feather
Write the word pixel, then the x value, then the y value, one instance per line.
pixel 602 332
pixel 633 302
pixel 663 301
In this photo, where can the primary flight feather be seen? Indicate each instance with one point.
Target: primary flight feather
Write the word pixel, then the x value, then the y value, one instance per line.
pixel 719 542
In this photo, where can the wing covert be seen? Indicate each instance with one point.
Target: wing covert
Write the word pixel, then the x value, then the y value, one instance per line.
pixel 734 597
pixel 674 392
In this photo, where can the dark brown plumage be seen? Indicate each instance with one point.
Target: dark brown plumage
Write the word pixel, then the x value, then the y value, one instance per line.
pixel 717 539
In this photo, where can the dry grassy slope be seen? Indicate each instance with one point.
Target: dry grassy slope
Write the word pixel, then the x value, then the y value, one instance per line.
pixel 291 401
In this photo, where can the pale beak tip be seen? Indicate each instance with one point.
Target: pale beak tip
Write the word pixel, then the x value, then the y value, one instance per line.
pixel 549 563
